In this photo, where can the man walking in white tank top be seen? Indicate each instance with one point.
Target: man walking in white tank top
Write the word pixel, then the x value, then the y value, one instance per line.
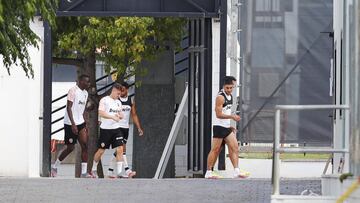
pixel 222 131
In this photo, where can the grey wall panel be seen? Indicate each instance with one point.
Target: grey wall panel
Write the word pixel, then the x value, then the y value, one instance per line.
pixel 155 101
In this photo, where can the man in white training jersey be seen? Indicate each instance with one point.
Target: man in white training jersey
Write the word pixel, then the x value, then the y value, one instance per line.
pixel 128 109
pixel 110 112
pixel 74 124
pixel 222 131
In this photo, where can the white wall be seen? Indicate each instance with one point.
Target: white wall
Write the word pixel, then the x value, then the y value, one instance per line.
pixel 20 108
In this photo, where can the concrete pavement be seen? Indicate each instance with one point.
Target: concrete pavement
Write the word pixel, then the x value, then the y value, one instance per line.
pixel 259 168
pixel 146 190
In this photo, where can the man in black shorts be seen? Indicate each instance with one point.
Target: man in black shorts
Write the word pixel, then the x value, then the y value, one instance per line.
pixel 110 111
pixel 74 124
pixel 222 130
pixel 129 110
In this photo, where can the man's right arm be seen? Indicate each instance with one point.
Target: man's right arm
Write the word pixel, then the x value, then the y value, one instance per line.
pixel 69 104
pixel 103 114
pixel 219 102
pixel 69 111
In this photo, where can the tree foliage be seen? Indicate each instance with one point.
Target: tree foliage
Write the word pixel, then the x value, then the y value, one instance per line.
pixel 15 32
pixel 120 42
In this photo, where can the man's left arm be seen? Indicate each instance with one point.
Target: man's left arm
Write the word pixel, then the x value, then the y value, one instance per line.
pixel 136 119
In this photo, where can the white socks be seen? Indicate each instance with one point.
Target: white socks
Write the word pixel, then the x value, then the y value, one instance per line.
pixel 119 166
pixel 57 163
pixel 94 167
pixel 126 166
pixel 112 164
pixel 83 167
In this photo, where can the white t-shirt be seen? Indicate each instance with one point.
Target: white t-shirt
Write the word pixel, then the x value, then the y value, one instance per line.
pixel 78 97
pixel 112 107
pixel 126 109
pixel 226 109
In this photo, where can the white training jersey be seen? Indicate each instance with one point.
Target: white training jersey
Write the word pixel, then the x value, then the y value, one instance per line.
pixel 78 97
pixel 112 107
pixel 126 109
pixel 226 109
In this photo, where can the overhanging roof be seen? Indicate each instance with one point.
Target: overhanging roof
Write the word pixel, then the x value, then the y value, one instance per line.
pixel 153 8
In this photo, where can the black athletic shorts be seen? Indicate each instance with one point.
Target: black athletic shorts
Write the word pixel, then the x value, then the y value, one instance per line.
pixel 110 137
pixel 221 132
pixel 125 132
pixel 70 137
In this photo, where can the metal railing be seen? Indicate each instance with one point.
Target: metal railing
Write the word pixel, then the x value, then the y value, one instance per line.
pixel 99 90
pixel 277 149
pixel 65 95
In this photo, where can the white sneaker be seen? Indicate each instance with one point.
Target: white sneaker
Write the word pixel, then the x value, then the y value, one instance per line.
pixel 129 173
pixel 212 175
pixel 93 174
pixel 53 172
pixel 241 174
pixel 86 175
pixel 110 174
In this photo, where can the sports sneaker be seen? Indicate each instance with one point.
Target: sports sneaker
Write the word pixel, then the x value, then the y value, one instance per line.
pixel 93 174
pixel 241 174
pixel 86 175
pixel 111 175
pixel 212 175
pixel 129 173
pixel 53 172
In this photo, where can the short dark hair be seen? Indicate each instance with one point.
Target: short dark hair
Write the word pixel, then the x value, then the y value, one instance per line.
pixel 228 80
pixel 125 84
pixel 83 76
pixel 117 86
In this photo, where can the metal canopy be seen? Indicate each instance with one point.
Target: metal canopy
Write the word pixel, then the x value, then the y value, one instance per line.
pixel 151 8
pixel 200 12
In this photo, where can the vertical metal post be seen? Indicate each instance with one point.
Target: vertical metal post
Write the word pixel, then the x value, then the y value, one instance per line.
pixel 238 68
pixel 276 155
pixel 191 97
pixel 202 95
pixel 355 124
pixel 223 37
pixel 197 105
pixel 47 97
pixel 207 88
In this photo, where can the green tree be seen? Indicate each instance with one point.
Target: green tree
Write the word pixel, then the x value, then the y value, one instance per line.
pixel 122 43
pixel 15 32
pixel 119 42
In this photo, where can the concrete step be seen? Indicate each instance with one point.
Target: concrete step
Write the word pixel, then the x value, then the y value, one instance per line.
pixel 146 190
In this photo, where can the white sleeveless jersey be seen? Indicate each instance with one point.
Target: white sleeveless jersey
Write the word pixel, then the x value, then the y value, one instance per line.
pixel 112 107
pixel 78 97
pixel 126 109
pixel 226 109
